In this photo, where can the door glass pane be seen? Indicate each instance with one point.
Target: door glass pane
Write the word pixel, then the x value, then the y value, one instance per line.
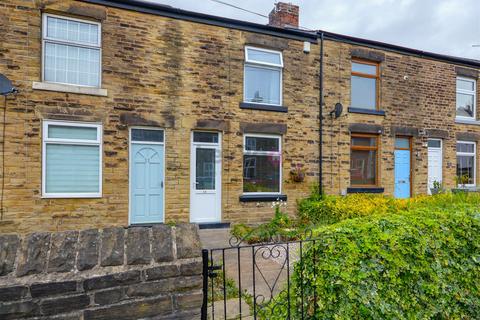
pixel 466 168
pixel 262 56
pixel 364 141
pixel 206 137
pixel 364 68
pixel 147 135
pixel 261 144
pixel 465 105
pixel 465 85
pixel 402 143
pixel 72 169
pixel 262 85
pixel 67 132
pixel 465 147
pixel 205 169
pixel 261 173
pixel 434 143
pixel 363 167
pixel 364 92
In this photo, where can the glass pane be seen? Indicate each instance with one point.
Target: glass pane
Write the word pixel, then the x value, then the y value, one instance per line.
pixel 465 147
pixel 72 169
pixel 364 68
pixel 69 30
pixel 147 135
pixel 364 141
pixel 262 85
pixel 402 143
pixel 207 137
pixel 465 85
pixel 262 56
pixel 434 144
pixel 364 93
pixel 205 169
pixel 465 105
pixel 71 64
pixel 465 169
pixel 261 173
pixel 262 144
pixel 79 133
pixel 363 167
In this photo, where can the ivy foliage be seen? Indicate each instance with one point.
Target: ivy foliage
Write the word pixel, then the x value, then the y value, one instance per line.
pixel 422 263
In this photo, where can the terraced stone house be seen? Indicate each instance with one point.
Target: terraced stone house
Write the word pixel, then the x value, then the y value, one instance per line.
pixel 132 113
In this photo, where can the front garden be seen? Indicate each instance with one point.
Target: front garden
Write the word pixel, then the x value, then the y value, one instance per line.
pixel 381 258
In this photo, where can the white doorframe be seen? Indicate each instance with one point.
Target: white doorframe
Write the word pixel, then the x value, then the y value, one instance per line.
pixel 441 160
pixel 130 142
pixel 218 176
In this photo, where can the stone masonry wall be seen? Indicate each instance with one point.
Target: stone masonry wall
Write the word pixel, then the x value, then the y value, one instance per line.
pixel 114 273
pixel 418 96
pixel 159 72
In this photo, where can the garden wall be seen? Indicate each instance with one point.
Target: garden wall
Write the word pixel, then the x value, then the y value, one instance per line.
pixel 113 273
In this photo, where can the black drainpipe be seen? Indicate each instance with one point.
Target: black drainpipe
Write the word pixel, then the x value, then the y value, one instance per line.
pixel 320 139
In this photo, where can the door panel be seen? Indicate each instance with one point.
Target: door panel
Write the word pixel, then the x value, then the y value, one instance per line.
pixel 146 184
pixel 402 174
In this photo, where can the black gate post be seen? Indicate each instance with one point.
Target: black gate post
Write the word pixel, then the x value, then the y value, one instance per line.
pixel 205 283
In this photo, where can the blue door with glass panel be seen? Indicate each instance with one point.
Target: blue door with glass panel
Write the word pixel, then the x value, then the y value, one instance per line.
pixel 402 174
pixel 146 200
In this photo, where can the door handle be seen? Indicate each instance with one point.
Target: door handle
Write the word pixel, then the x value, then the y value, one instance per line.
pixel 161 184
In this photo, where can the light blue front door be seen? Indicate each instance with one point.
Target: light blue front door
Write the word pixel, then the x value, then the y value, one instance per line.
pixel 402 174
pixel 146 199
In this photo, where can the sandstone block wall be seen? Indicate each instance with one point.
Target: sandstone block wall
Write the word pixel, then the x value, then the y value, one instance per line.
pixel 112 273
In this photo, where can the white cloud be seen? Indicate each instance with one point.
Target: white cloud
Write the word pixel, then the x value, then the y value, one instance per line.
pixel 442 26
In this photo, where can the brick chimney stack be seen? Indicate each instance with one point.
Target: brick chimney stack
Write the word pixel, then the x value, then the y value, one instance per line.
pixel 284 15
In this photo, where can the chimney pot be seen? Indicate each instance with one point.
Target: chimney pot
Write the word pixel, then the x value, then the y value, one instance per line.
pixel 284 15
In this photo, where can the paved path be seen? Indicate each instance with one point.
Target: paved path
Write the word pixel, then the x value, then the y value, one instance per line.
pixel 270 274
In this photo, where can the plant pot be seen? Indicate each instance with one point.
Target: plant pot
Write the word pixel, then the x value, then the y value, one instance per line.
pixel 434 191
pixel 297 175
pixel 459 190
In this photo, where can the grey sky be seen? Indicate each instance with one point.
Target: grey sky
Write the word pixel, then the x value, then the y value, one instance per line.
pixel 442 26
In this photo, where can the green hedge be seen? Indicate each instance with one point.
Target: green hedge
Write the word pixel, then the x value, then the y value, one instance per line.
pixel 416 265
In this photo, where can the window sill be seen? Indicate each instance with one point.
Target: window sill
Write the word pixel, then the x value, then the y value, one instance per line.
pixel 262 197
pixel 71 196
pixel 264 107
pixel 467 121
pixel 59 87
pixel 365 190
pixel 366 111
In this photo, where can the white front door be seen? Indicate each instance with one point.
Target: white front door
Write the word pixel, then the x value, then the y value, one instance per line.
pixel 434 162
pixel 205 177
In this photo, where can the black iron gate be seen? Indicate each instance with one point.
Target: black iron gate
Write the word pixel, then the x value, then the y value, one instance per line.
pixel 254 280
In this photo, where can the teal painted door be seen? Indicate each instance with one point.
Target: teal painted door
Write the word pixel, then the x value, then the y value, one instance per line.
pixel 402 174
pixel 147 190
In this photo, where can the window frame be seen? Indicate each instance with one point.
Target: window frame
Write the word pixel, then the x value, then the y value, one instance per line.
pixel 263 65
pixel 369 76
pixel 474 153
pixel 365 148
pixel 46 39
pixel 46 140
pixel 263 153
pixel 467 92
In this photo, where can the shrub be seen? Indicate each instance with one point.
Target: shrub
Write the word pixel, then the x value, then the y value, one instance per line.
pixel 420 264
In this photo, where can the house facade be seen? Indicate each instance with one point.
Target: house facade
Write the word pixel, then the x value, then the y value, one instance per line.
pixel 131 113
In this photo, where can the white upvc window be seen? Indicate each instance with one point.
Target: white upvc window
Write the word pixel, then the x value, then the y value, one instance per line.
pixel 71 51
pixel 466 98
pixel 466 163
pixel 263 76
pixel 72 160
pixel 262 164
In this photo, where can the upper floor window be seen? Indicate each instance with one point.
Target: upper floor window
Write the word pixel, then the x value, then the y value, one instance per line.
pixel 466 98
pixel 71 51
pixel 263 76
pixel 364 85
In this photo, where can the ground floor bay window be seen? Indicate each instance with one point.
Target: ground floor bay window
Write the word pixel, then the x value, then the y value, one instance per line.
pixel 262 164
pixel 363 160
pixel 466 163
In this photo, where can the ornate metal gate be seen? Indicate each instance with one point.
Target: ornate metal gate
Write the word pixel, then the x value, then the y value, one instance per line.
pixel 244 281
